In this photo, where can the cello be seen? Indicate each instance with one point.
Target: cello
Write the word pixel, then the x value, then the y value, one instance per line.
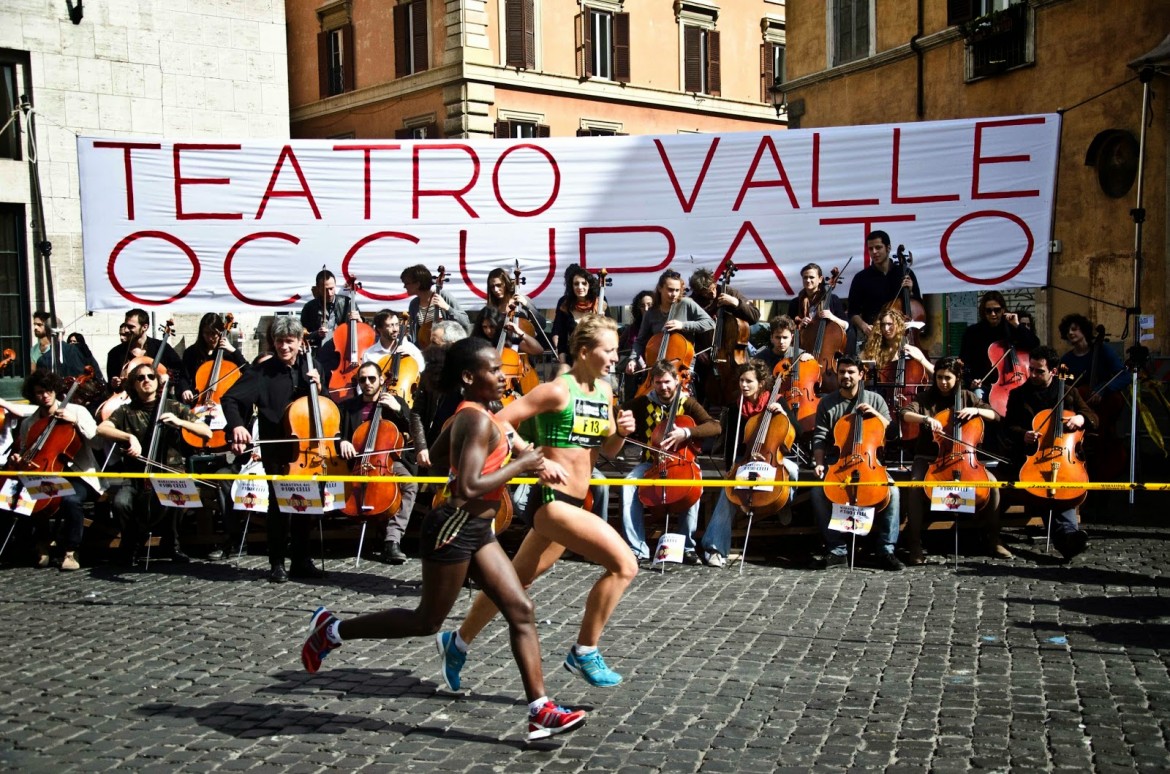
pixel 400 369
pixel 678 465
pixel 211 384
pixel 431 315
pixel 344 352
pixel 826 340
pixel 56 442
pixel 909 376
pixel 771 435
pixel 912 308
pixel 798 380
pixel 1058 455
pixel 1010 369
pixel 858 477
pixel 957 462
pixel 731 333
pixel 313 421
pixel 376 440
pixel 121 397
pixel 674 348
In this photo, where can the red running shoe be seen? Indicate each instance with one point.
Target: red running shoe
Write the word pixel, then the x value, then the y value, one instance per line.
pixel 317 645
pixel 551 719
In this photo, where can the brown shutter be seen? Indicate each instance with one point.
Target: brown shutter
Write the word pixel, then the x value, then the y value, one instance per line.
pixel 961 11
pixel 692 65
pixel 714 86
pixel 765 72
pixel 419 32
pixel 401 41
pixel 529 7
pixel 514 42
pixel 542 131
pixel 348 76
pixel 621 47
pixel 587 39
pixel 323 63
pixel 503 129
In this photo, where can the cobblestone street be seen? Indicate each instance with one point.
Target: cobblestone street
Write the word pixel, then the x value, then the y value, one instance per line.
pixel 1026 665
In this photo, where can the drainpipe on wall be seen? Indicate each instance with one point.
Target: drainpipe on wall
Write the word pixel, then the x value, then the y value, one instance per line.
pixel 918 54
pixel 43 248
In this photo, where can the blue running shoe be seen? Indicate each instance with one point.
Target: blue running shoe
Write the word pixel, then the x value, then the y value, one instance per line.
pixel 592 668
pixel 453 659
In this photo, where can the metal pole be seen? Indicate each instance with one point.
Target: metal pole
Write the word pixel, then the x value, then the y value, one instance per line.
pixel 1139 217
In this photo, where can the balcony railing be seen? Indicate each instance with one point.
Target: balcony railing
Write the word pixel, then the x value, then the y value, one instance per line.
pixel 999 41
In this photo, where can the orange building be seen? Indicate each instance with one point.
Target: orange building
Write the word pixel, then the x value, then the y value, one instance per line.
pixel 859 61
pixel 532 68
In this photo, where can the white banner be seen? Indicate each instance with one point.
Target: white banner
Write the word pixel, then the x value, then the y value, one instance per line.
pixel 198 225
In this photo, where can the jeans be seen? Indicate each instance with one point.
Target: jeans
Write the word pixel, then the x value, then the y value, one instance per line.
pixel 396 525
pixel 633 517
pixel 717 535
pixel 885 522
pixel 68 523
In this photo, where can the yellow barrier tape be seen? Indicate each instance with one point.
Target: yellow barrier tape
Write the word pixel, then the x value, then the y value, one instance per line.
pixel 711 482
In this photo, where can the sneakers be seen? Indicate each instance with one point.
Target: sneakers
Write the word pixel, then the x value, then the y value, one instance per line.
pixel 70 562
pixel 715 559
pixel 887 561
pixel 691 558
pixel 592 668
pixel 836 560
pixel 317 645
pixel 551 719
pixel 452 659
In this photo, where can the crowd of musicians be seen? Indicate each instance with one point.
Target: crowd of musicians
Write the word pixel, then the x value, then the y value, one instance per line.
pixel 837 388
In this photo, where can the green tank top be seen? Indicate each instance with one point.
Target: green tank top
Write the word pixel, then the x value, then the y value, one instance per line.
pixel 584 422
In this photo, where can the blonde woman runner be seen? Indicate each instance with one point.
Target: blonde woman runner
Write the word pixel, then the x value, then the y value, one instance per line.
pixel 574 421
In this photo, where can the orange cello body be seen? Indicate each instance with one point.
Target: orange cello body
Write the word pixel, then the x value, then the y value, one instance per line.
pixel 771 435
pixel 312 419
pixel 402 374
pixel 1011 371
pixel 858 476
pixel 672 347
pixel 212 381
pixel 677 465
pixel 376 440
pixel 55 446
pixel 957 463
pixel 1058 456
pixel 800 380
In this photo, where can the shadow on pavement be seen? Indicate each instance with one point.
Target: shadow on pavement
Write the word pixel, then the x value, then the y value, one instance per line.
pixel 255 721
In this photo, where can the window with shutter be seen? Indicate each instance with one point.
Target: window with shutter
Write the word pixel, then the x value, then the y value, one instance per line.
pixel 693 69
pixel 520 41
pixel 410 38
pixel 335 58
pixel 335 51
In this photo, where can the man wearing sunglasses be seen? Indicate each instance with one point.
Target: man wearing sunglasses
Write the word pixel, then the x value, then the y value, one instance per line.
pixel 356 411
pixel 132 428
pixel 996 324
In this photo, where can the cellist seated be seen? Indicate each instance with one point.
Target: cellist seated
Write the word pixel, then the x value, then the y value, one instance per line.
pixel 649 410
pixel 354 412
pixel 1039 394
pixel 851 396
pixel 755 383
pixel 133 503
pixel 937 398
